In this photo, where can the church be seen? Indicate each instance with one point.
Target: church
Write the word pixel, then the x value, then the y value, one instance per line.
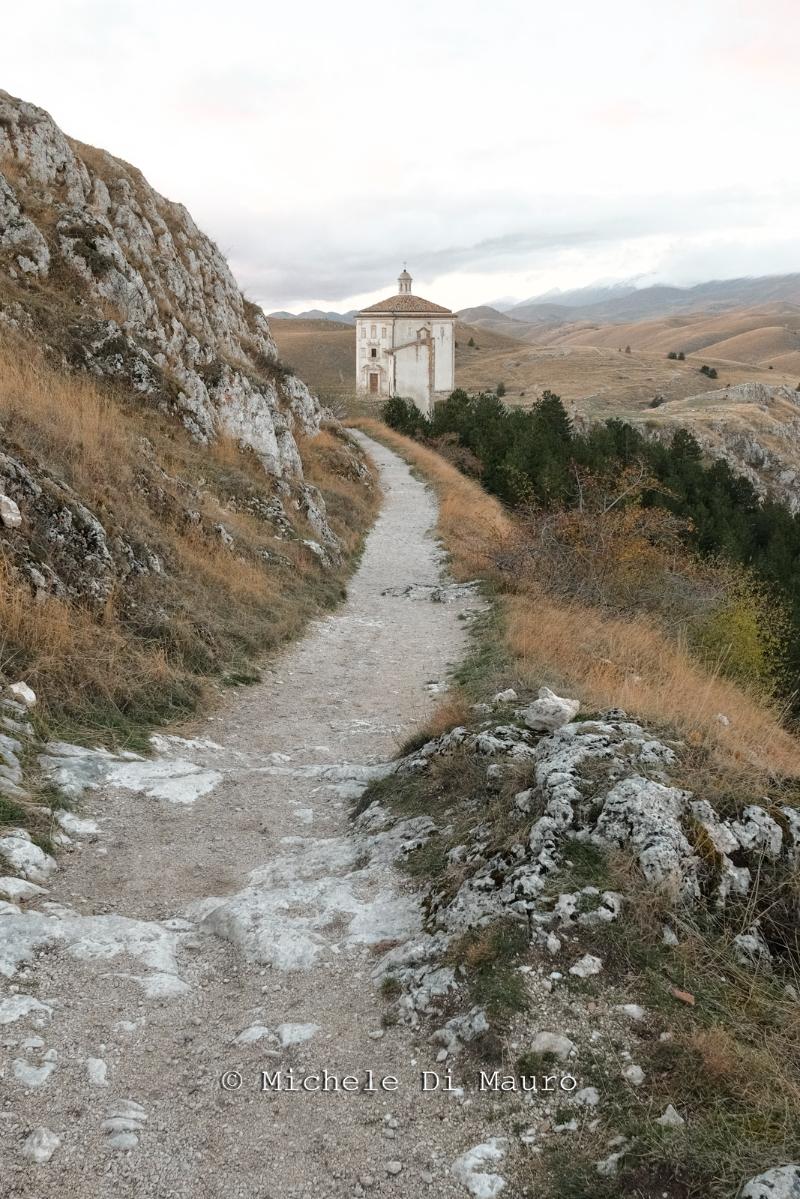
pixel 405 346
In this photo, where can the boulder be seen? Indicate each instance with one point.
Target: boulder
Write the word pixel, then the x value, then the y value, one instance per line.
pixel 550 711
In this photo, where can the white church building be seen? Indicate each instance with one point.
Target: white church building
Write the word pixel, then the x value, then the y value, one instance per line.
pixel 405 346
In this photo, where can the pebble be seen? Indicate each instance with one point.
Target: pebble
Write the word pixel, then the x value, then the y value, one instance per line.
pixel 123 1140
pixel 394 1167
pixel 96 1070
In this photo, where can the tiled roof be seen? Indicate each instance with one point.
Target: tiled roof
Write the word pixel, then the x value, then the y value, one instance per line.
pixel 406 303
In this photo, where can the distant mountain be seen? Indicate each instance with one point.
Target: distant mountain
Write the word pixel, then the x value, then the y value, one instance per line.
pixel 485 312
pixel 624 302
pixel 316 314
pixel 595 293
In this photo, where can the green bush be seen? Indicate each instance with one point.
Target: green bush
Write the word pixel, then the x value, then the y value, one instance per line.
pixel 405 417
pixel 534 457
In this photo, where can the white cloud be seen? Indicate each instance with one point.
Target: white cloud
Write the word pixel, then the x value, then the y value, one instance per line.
pixel 499 150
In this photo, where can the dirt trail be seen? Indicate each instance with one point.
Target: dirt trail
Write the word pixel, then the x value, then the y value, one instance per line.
pixel 165 947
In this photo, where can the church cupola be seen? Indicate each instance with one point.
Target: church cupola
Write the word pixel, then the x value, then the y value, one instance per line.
pixel 404 283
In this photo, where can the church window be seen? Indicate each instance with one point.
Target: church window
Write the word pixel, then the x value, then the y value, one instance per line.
pixel 372 331
pixel 363 330
pixel 383 330
pixel 373 353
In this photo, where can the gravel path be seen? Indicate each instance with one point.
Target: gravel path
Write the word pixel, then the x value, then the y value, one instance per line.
pixel 225 893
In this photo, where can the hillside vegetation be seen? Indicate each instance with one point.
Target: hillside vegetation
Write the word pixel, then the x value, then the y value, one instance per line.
pixel 595 498
pixel 682 1011
pixel 144 561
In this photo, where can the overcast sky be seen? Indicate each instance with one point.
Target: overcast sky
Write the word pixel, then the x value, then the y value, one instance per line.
pixel 499 148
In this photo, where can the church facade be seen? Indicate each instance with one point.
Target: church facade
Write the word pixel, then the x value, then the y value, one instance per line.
pixel 405 346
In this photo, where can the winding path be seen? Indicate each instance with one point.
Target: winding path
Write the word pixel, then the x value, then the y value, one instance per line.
pixel 225 894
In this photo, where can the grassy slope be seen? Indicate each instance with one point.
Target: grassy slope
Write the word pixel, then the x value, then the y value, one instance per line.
pixel 147 654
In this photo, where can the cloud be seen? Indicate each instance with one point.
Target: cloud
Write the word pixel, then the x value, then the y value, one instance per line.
pixel 290 265
pixel 547 145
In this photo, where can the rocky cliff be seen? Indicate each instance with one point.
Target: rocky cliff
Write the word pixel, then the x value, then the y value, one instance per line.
pixel 751 426
pixel 118 279
pixel 168 498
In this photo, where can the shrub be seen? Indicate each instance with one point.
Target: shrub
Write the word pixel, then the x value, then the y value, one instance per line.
pixel 405 417
pixel 471 342
pixel 745 635
pixel 709 371
pixel 500 390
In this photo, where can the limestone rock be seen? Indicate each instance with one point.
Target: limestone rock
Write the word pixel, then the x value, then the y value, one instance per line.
pixel 160 311
pixel 10 516
pixel 23 693
pixel 647 816
pixel 586 966
pixel 32 862
pixel 781 1182
pixel 17 889
pixel 550 711
pixel 41 1145
pixel 474 1169
pixel 552 1044
pixel 670 1118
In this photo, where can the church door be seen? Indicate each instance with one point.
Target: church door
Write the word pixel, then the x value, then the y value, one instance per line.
pixel 373 382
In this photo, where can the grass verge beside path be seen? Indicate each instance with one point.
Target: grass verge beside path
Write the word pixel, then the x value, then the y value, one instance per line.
pixel 604 660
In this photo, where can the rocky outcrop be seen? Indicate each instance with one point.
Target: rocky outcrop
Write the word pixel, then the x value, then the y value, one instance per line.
pixel 120 281
pixel 753 427
pixel 606 782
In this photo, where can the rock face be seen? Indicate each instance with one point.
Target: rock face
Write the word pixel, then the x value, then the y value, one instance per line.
pixel 753 427
pixel 136 292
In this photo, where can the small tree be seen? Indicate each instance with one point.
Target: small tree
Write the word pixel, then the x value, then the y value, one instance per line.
pixel 405 417
pixel 672 355
pixel 709 371
pixel 681 356
pixel 500 390
pixel 471 342
pixel 627 349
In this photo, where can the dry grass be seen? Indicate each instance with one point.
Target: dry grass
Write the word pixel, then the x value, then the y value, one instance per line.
pixel 65 420
pixel 605 661
pixel 141 656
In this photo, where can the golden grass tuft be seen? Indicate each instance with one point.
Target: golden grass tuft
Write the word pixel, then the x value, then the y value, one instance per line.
pixel 606 661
